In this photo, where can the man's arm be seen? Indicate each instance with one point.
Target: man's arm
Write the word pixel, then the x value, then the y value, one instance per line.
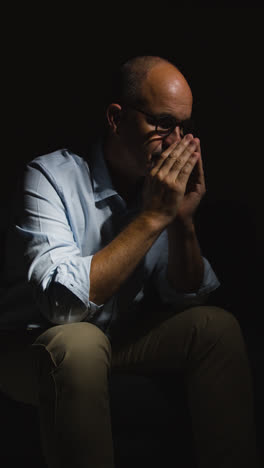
pixel 164 190
pixel 185 262
pixel 111 266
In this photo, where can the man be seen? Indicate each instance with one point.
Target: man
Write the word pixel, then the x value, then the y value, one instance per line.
pixel 93 243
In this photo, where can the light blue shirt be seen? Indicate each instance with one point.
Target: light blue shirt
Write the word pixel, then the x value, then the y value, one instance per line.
pixel 68 211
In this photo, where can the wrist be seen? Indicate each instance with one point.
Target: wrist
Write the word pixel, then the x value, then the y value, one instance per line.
pixel 185 225
pixel 154 223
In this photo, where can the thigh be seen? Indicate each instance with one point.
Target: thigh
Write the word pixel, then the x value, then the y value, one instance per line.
pixel 171 342
pixel 25 356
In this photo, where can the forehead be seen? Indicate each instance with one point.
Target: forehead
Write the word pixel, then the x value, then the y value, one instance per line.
pixel 165 90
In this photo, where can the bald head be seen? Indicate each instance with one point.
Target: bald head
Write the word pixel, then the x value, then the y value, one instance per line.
pixel 164 87
pixel 143 78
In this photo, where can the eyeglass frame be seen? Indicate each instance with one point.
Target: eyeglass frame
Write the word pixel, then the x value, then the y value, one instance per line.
pixel 155 120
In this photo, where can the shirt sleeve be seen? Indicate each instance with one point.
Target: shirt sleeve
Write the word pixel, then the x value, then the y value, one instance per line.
pixel 169 295
pixel 54 265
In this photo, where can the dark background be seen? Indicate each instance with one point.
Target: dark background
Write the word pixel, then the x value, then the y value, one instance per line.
pixel 55 70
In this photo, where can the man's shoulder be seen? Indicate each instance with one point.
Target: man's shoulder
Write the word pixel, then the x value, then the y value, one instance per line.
pixel 59 159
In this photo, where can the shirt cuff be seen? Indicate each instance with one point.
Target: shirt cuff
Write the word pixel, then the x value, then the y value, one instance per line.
pixel 60 306
pixel 170 295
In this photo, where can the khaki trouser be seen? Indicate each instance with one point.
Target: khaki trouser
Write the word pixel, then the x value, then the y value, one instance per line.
pixel 64 371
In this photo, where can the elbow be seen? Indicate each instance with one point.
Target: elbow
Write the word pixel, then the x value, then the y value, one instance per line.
pixel 60 306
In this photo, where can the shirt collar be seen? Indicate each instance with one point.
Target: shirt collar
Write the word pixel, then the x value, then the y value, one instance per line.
pixel 102 182
pixel 101 179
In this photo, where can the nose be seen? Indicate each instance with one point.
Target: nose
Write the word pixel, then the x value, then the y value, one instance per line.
pixel 173 137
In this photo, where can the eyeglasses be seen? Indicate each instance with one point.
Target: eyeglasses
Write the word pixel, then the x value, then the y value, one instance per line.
pixel 165 124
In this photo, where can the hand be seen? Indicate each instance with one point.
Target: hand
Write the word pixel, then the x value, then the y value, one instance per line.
pixel 165 192
pixel 195 189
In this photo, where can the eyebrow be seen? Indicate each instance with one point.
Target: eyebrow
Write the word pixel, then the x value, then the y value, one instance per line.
pixel 164 115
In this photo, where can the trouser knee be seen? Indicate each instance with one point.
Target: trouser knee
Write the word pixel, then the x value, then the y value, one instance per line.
pixel 77 356
pixel 213 326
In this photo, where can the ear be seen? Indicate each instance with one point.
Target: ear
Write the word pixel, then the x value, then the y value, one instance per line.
pixel 113 114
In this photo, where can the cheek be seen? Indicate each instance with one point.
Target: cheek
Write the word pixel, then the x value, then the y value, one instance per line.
pixel 133 138
pixel 154 146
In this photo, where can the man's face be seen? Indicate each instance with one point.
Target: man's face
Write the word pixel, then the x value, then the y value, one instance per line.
pixel 143 130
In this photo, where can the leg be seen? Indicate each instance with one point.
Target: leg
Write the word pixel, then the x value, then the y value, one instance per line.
pixel 71 367
pixel 206 343
pixel 74 361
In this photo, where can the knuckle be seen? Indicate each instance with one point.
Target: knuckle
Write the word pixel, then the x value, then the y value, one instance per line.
pixel 177 166
pixel 164 156
pixel 192 160
pixel 178 162
pixel 185 170
pixel 168 182
pixel 159 176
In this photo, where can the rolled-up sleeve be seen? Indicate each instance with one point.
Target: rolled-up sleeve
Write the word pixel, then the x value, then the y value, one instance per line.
pixel 59 274
pixel 168 294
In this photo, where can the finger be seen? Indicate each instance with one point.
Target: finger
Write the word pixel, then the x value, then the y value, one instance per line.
pixel 186 170
pixel 187 140
pixel 160 160
pixel 180 162
pixel 200 170
pixel 168 157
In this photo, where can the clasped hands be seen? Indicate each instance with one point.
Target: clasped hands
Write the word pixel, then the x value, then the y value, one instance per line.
pixel 175 185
